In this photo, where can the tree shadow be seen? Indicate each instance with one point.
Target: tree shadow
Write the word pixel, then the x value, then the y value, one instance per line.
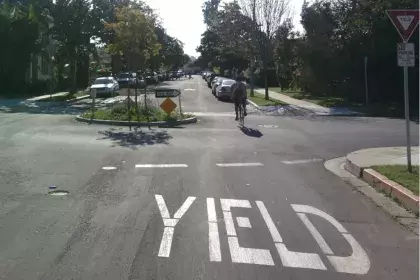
pixel 135 139
pixel 251 132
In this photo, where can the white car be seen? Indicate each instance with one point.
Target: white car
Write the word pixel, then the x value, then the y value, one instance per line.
pixel 105 86
pixel 224 90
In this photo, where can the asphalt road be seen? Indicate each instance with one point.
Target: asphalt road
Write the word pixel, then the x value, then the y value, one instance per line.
pixel 203 201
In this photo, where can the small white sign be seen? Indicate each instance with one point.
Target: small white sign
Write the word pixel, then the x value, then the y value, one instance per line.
pixel 406 55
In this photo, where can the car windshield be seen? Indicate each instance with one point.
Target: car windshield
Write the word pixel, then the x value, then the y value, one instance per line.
pixel 102 81
pixel 124 75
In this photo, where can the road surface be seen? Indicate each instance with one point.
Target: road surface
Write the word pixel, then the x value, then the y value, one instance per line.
pixel 203 201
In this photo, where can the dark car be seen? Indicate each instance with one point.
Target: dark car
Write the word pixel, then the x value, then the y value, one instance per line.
pixel 126 79
pixel 151 78
pixel 210 78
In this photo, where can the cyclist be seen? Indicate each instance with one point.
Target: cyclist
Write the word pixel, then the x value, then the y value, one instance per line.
pixel 239 95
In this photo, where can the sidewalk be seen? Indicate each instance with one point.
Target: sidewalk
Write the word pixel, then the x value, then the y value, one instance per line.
pixel 314 108
pixel 359 162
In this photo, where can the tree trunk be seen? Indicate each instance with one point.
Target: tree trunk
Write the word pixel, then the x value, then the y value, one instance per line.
pixel 266 73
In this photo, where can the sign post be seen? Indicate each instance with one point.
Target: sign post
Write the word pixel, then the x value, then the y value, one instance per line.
pixel 93 94
pixel 405 21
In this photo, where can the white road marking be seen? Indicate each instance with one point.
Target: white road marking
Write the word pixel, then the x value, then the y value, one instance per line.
pixel 189 89
pixel 358 262
pixel 166 243
pixel 243 222
pixel 211 210
pixel 302 161
pixel 160 165
pixel 239 164
pixel 162 207
pixel 248 255
pixel 214 243
pixel 181 211
pixel 315 233
pixel 297 259
pixel 228 203
pixel 289 258
pixel 109 168
pixel 168 231
pixel 230 227
pixel 214 240
pixel 270 224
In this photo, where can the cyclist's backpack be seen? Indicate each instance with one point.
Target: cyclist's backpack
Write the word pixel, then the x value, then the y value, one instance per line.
pixel 237 91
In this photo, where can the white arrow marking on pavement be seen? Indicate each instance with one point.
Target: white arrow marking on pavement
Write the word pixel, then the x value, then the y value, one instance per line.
pixel 357 263
pixel 240 254
pixel 214 241
pixel 170 223
pixel 289 258
pixel 160 165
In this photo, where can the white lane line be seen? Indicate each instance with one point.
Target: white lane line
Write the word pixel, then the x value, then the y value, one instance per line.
pixel 211 210
pixel 239 164
pixel 160 165
pixel 302 161
pixel 166 243
pixel 230 227
pixel 315 233
pixel 109 168
pixel 214 243
pixel 243 222
pixel 270 224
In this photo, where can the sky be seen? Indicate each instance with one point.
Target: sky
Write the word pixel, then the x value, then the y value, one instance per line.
pixel 183 19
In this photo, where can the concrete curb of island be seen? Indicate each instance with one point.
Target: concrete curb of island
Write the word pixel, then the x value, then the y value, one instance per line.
pixel 134 123
pixel 404 196
pixel 78 98
pixel 253 104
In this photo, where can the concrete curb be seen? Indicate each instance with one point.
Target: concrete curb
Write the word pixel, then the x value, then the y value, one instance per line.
pixel 378 181
pixel 394 209
pixel 78 98
pixel 134 123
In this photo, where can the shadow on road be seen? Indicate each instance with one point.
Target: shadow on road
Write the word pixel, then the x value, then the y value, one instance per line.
pixel 135 139
pixel 251 132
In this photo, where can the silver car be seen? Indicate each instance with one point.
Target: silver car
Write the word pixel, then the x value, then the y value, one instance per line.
pixel 224 90
pixel 215 83
pixel 105 86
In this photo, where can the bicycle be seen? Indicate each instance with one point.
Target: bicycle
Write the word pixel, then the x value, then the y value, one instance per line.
pixel 241 119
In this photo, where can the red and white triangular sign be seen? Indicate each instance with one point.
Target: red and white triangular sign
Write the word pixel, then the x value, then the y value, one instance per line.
pixel 405 21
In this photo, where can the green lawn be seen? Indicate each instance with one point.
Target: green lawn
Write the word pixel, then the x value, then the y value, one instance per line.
pixel 259 99
pixel 390 110
pixel 400 174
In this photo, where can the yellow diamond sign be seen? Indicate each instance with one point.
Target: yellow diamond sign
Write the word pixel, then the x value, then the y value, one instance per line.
pixel 168 105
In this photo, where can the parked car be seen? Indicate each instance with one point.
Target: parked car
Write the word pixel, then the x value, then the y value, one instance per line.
pixel 224 90
pixel 215 83
pixel 210 78
pixel 151 78
pixel 127 78
pixel 105 86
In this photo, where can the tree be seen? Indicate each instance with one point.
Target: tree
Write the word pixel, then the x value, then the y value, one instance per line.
pixel 136 40
pixel 267 17
pixel 74 26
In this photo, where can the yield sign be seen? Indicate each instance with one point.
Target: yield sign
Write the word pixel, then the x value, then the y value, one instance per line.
pixel 405 21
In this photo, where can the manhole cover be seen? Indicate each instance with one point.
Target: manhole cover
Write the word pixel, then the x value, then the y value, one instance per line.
pixel 58 193
pixel 267 125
